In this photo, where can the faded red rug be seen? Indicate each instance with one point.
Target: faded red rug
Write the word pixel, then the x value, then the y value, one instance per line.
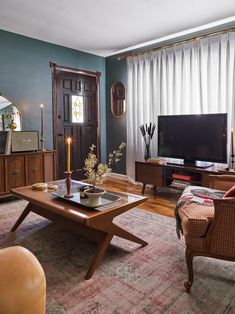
pixel 129 279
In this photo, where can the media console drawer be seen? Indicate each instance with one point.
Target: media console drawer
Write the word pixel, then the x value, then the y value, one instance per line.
pixel 148 174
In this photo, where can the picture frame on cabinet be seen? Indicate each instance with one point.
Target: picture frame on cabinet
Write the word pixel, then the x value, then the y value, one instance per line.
pixel 24 141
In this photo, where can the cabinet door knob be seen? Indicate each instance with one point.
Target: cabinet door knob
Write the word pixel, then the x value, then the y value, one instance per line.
pixel 34 170
pixel 15 173
pixel 60 134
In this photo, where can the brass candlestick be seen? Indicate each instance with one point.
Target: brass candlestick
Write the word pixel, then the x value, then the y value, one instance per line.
pixel 42 140
pixel 68 184
pixel 232 161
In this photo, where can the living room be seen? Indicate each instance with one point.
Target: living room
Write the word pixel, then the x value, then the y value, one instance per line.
pixel 113 98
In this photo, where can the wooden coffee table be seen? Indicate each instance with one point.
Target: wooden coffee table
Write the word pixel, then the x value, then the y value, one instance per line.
pixel 96 224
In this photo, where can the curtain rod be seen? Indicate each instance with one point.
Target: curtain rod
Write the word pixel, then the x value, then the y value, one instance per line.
pixel 132 55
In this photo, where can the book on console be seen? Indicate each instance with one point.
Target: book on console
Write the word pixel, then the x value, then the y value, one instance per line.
pixel 183 177
pixel 156 161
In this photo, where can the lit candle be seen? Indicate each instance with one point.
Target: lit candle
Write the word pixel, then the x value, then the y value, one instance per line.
pixel 68 153
pixel 42 126
pixel 232 147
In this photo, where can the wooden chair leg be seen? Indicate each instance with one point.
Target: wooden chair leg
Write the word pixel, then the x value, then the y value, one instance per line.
pixel 189 260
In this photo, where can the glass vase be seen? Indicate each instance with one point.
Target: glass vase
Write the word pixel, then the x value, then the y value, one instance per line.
pixel 147 152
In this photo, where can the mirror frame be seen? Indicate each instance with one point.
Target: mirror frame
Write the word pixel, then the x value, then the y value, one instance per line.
pixel 114 89
pixel 13 103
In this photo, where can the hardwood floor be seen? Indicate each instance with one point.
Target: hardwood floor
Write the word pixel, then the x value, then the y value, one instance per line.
pixel 161 202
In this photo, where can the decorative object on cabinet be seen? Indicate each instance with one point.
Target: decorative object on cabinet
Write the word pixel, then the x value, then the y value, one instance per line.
pixel 21 169
pixel 118 99
pixel 24 141
pixel 147 133
pixel 5 142
pixel 42 139
pixel 10 116
pixel 232 150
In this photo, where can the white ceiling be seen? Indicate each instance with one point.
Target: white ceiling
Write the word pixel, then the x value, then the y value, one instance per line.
pixel 104 27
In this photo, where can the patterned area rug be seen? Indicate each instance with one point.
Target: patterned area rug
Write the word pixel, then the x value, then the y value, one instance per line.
pixel 129 279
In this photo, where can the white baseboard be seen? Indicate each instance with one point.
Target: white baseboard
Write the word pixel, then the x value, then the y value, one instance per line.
pixel 117 176
pixel 123 177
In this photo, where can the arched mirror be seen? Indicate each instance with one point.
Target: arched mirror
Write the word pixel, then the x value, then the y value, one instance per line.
pixel 118 99
pixel 10 116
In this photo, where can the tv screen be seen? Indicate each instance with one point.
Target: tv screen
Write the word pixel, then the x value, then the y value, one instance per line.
pixel 193 137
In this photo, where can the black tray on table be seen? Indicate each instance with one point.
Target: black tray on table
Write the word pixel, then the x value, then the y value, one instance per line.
pixel 106 198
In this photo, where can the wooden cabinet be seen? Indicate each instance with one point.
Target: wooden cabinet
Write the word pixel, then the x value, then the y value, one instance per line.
pixel 26 169
pixel 163 175
pixel 2 176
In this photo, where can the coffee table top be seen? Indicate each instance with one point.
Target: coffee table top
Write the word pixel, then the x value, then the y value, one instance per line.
pixel 46 200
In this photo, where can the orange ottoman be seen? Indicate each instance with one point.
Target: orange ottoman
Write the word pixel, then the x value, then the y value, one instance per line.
pixel 22 282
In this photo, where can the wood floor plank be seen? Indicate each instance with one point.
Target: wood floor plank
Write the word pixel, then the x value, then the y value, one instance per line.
pixel 162 201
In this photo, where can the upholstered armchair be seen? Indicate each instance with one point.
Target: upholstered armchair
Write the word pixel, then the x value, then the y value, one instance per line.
pixel 22 282
pixel 207 221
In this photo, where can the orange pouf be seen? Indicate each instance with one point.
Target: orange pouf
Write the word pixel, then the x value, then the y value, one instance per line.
pixel 22 282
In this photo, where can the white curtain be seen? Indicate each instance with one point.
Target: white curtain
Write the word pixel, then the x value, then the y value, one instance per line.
pixel 196 77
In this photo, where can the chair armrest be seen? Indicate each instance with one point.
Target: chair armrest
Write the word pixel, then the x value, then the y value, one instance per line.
pixel 222 182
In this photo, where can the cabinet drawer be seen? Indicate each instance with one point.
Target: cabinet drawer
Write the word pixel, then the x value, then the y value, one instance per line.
pixel 49 168
pixel 34 169
pixel 149 174
pixel 15 174
pixel 2 176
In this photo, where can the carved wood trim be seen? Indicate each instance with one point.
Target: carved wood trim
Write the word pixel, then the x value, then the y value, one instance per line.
pixel 63 68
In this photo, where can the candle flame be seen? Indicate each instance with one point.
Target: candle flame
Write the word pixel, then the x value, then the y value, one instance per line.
pixel 41 105
pixel 69 140
pixel 232 130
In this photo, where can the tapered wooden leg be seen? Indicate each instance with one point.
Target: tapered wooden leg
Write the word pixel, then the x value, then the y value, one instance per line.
pixel 189 260
pixel 118 231
pixel 22 217
pixel 100 252
pixel 143 188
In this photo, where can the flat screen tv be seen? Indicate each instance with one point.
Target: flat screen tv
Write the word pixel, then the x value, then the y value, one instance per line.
pixel 193 138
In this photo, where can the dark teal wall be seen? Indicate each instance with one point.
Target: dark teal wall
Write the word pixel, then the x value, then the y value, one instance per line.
pixel 116 127
pixel 25 78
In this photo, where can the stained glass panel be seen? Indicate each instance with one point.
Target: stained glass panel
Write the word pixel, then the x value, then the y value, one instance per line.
pixel 77 109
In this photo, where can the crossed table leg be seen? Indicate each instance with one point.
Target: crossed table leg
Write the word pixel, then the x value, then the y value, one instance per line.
pixel 99 229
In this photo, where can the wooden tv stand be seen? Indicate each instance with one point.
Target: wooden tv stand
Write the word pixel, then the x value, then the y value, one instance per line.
pixel 161 175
